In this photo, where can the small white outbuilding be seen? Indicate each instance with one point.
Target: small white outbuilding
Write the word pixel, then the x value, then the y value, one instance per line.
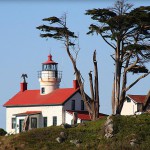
pixel 133 104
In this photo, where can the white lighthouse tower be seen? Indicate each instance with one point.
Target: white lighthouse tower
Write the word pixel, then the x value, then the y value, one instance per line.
pixel 49 77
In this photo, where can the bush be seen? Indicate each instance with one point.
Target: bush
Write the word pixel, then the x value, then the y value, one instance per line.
pixel 2 132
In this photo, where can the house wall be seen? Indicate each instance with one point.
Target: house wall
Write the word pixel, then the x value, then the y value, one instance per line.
pixel 47 111
pixel 129 108
pixel 69 118
pixel 77 97
pixel 67 106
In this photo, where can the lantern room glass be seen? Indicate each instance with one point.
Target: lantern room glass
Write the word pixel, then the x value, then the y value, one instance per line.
pixel 49 67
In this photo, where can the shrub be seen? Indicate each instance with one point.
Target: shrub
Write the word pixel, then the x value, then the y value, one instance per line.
pixel 2 132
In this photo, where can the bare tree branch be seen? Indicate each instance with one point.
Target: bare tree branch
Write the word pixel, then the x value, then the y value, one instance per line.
pixel 107 42
pixel 137 80
pixel 132 65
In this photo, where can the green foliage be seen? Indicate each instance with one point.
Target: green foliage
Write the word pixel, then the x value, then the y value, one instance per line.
pixel 91 135
pixel 57 29
pixel 132 28
pixel 2 132
pixel 127 128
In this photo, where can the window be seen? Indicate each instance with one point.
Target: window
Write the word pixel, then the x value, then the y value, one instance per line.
pixel 13 124
pixel 139 107
pixel 42 90
pixel 73 105
pixel 33 122
pixel 82 105
pixel 45 121
pixel 128 100
pixel 54 120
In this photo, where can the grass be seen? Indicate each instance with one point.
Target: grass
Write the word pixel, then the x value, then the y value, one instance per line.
pixel 91 136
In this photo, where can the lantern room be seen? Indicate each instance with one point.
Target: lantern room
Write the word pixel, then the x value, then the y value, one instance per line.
pixel 49 65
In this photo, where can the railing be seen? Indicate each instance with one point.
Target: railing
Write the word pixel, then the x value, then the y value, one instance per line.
pixel 50 74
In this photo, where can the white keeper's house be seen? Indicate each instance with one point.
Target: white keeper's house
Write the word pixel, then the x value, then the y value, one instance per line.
pixel 50 105
pixel 136 104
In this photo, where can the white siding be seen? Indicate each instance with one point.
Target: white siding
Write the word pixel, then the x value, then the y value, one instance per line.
pixel 47 111
pixel 129 108
pixel 69 117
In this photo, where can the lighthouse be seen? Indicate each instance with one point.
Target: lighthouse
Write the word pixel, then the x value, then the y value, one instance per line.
pixel 49 77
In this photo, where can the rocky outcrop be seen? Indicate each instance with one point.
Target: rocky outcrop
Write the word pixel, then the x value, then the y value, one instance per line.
pixel 65 126
pixel 59 139
pixel 62 137
pixel 108 127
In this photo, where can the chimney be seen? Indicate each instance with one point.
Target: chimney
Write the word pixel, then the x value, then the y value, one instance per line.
pixel 23 86
pixel 75 84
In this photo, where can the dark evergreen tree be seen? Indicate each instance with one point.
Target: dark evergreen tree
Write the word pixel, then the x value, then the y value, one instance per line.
pixel 127 32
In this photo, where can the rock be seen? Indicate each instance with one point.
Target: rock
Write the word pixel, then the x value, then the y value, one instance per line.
pixel 133 142
pixel 108 117
pixel 108 121
pixel 22 145
pixel 65 126
pixel 75 142
pixel 108 135
pixel 81 124
pixel 108 130
pixel 87 146
pixel 78 145
pixel 59 139
pixel 63 135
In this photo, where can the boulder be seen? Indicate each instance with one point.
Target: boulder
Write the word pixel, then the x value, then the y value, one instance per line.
pixel 65 126
pixel 134 142
pixel 59 139
pixel 109 128
pixel 76 142
pixel 108 135
pixel 63 135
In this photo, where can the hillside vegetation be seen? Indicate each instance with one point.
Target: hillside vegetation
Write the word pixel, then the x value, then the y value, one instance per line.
pixel 89 136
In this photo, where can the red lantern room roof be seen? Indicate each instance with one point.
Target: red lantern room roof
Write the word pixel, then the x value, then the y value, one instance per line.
pixel 49 61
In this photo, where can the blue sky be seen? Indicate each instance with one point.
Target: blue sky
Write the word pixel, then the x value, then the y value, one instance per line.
pixel 23 51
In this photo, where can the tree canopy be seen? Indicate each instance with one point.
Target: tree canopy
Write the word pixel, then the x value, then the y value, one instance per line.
pixel 127 32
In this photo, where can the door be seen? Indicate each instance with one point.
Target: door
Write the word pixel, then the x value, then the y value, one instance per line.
pixel 21 125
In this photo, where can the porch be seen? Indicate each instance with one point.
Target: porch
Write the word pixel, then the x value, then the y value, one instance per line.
pixel 28 120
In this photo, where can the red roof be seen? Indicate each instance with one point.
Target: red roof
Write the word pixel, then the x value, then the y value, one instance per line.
pixel 28 113
pixel 138 98
pixel 50 61
pixel 84 115
pixel 33 97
